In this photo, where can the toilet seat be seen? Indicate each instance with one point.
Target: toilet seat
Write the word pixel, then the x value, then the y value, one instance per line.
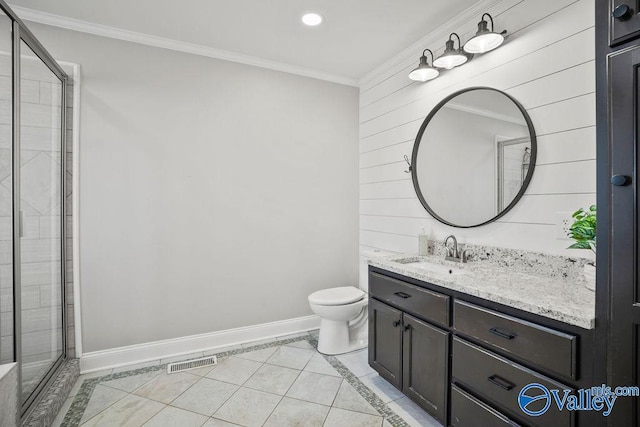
pixel 337 296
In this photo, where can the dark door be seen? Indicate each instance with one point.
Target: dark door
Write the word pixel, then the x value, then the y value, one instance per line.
pixel 385 341
pixel 624 20
pixel 624 335
pixel 425 366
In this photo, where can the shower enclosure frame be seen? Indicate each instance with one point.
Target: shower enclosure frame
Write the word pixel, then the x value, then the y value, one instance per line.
pixel 501 143
pixel 20 33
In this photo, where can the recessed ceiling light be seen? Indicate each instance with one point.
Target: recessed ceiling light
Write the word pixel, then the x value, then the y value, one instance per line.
pixel 311 19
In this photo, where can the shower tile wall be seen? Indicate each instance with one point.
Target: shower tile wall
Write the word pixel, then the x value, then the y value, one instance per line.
pixel 39 226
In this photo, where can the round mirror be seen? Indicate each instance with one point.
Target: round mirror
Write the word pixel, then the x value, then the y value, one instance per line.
pixel 473 157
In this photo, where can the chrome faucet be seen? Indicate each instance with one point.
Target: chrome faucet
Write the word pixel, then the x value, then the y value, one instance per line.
pixel 452 253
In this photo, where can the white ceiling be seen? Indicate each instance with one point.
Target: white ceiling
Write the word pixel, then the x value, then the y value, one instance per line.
pixel 357 35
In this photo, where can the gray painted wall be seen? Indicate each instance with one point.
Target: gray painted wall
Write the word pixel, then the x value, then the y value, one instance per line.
pixel 213 195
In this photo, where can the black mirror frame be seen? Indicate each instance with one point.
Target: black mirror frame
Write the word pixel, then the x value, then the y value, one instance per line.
pixel 416 146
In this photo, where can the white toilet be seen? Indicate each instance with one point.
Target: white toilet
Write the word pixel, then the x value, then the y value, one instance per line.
pixel 343 314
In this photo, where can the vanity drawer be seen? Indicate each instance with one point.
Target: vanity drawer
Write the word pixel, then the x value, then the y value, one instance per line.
pixel 467 411
pixel 549 349
pixel 412 299
pixel 501 380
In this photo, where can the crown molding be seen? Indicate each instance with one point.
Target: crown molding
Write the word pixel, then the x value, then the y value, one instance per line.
pixel 59 21
pixel 439 35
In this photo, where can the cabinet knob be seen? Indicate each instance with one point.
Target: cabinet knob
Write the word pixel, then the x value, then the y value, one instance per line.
pixel 620 180
pixel 622 12
pixel 407 327
pixel 396 323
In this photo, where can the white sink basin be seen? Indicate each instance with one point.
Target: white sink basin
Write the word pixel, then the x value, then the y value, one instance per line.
pixel 444 270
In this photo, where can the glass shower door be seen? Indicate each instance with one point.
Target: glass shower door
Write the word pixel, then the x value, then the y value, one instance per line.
pixel 6 193
pixel 41 212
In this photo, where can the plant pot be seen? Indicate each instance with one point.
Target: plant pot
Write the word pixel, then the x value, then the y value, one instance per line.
pixel 590 276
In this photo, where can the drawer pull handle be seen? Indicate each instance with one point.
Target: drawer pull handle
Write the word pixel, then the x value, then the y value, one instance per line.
pixel 501 382
pixel 505 335
pixel 396 323
pixel 402 295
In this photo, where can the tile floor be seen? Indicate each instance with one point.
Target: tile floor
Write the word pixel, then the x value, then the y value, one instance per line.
pixel 280 383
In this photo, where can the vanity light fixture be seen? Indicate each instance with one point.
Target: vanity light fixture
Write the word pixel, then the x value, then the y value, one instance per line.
pixel 451 57
pixel 424 72
pixel 312 19
pixel 484 40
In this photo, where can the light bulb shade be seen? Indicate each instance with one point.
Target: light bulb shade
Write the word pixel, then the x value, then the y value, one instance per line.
pixel 423 74
pixel 451 57
pixel 424 71
pixel 481 43
pixel 450 60
pixel 485 39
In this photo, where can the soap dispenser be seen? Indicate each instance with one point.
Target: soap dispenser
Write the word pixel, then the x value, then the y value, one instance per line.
pixel 423 242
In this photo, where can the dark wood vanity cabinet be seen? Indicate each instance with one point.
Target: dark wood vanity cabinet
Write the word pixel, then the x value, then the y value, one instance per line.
pixel 464 359
pixel 409 352
pixel 624 318
pixel 618 259
pixel 486 349
pixel 499 380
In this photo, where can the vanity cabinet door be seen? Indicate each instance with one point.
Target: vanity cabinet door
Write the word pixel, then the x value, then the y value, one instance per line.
pixel 385 341
pixel 624 21
pixel 624 267
pixel 426 366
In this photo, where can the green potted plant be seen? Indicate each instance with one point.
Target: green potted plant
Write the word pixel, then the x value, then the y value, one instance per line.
pixel 583 231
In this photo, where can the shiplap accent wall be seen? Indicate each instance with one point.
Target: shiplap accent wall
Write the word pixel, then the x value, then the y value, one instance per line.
pixel 547 63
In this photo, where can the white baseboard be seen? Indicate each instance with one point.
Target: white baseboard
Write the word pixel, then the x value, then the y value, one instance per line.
pixel 152 351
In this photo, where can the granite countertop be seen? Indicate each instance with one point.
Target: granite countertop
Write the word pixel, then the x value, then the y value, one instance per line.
pixel 553 293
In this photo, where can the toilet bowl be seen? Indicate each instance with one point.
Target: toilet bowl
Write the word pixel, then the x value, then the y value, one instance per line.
pixel 343 316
